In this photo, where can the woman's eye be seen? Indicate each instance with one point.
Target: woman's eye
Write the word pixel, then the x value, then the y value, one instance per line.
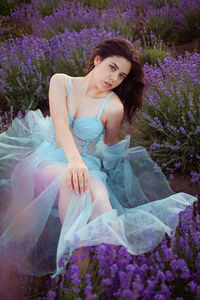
pixel 112 67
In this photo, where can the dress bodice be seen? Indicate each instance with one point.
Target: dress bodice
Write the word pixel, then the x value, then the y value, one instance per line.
pixel 86 131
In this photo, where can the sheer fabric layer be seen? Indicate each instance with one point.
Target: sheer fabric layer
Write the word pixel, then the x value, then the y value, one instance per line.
pixel 140 210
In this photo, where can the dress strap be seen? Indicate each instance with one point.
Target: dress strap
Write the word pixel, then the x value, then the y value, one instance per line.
pixel 69 85
pixel 103 105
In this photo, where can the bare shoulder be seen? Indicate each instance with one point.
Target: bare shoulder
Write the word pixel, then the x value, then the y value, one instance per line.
pixel 61 77
pixel 114 106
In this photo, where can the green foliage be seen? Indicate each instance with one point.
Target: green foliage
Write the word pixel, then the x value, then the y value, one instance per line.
pixel 161 25
pixel 151 56
pixel 5 7
pixel 153 50
pixel 121 28
pixel 28 92
pixel 57 28
pixel 160 127
pixel 13 29
pixel 78 26
pixel 191 28
pixel 99 4
pixel 66 289
pixel 162 3
pixel 46 7
pixel 74 66
pixel 48 34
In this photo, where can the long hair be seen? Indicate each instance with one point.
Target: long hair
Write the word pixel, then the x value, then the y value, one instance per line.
pixel 131 89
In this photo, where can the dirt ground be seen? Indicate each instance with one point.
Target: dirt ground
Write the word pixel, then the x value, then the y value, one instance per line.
pixel 184 184
pixel 193 46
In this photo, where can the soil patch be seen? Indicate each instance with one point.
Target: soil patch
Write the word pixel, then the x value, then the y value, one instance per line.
pixel 193 46
pixel 183 184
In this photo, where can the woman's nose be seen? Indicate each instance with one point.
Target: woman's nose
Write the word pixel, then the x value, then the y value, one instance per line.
pixel 114 76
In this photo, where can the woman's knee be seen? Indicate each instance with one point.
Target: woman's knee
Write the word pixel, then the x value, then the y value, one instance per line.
pixel 99 196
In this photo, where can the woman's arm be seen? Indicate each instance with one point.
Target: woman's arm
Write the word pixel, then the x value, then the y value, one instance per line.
pixel 114 112
pixel 77 170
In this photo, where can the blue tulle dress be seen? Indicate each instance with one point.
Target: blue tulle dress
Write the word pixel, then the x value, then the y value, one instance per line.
pixel 32 239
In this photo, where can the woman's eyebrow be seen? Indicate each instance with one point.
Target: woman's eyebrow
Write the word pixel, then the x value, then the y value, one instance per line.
pixel 117 67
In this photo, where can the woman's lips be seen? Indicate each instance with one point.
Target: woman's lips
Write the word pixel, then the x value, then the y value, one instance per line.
pixel 107 84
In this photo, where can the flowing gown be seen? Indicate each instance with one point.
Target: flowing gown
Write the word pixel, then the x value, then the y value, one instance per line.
pixel 142 207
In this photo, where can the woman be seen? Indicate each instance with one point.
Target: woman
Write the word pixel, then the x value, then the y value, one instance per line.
pixel 71 183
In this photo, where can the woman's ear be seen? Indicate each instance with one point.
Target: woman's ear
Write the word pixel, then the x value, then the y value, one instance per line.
pixel 97 60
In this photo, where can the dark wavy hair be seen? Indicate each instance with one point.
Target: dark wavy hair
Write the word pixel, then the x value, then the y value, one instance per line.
pixel 131 90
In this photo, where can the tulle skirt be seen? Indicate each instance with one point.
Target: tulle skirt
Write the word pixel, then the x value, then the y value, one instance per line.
pixel 133 204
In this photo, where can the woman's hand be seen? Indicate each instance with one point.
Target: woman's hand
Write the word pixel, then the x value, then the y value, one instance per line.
pixel 78 176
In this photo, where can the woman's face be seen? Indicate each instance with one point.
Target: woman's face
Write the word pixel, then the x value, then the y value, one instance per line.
pixel 111 71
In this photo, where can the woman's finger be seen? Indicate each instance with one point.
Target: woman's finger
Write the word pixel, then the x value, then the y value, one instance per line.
pixel 75 182
pixel 81 182
pixel 86 180
pixel 78 179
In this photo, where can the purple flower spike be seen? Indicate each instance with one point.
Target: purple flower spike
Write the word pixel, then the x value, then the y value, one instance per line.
pixel 19 115
pixel 51 295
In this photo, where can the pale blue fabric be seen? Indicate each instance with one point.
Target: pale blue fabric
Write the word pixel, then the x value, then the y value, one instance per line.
pixel 144 207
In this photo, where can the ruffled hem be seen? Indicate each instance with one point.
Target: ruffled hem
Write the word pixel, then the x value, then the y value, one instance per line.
pixel 143 206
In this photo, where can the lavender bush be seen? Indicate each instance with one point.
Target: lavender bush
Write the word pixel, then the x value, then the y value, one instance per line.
pixel 99 4
pixel 18 22
pixel 161 22
pixel 189 20
pixel 120 19
pixel 6 118
pixel 166 19
pixel 5 7
pixel 170 121
pixel 71 49
pixel 72 16
pixel 75 16
pixel 25 71
pixel 27 64
pixel 46 7
pixel 161 3
pixel 170 271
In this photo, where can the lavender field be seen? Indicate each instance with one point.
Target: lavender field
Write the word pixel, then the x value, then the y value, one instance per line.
pixel 40 38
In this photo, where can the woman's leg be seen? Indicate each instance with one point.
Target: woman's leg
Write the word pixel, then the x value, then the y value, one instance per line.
pixel 97 190
pixel 101 204
pixel 43 178
pixel 99 198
